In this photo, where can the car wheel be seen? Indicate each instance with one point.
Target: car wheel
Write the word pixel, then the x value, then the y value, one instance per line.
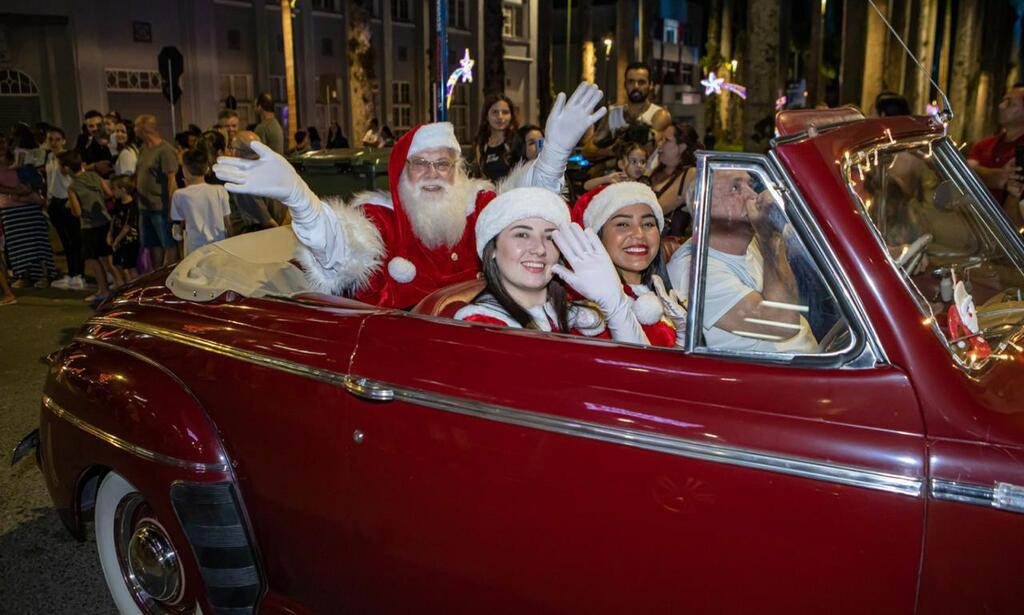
pixel 139 561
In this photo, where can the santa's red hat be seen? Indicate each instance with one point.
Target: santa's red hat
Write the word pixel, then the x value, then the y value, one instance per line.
pixel 597 206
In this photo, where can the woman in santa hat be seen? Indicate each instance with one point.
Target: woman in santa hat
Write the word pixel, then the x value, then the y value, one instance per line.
pixel 628 220
pixel 520 237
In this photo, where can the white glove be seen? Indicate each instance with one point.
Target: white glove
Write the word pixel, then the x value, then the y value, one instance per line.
pixel 594 276
pixel 271 175
pixel 673 308
pixel 566 124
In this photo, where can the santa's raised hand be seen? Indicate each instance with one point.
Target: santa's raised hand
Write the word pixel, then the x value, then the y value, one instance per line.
pixel 566 125
pixel 270 175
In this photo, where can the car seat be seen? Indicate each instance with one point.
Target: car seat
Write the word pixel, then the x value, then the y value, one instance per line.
pixel 446 301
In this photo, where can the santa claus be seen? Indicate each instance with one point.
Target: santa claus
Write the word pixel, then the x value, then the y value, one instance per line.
pixel 393 249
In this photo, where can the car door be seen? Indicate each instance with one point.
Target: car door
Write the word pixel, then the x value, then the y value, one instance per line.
pixel 511 470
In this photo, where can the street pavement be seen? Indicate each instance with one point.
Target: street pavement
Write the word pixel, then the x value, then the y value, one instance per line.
pixel 42 568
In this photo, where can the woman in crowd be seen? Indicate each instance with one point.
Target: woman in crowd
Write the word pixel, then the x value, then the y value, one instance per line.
pixel 387 138
pixel 314 138
pixel 496 140
pixel 335 138
pixel 632 162
pixel 627 218
pixel 301 142
pixel 531 140
pixel 128 156
pixel 677 163
pixel 520 237
pixel 26 231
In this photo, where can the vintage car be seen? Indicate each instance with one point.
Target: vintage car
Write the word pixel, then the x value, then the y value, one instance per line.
pixel 243 444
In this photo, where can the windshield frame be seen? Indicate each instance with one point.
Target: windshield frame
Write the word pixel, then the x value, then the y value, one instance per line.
pixel 991 217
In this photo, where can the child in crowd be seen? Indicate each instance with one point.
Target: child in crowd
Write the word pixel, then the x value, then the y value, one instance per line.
pixel 203 209
pixel 123 236
pixel 87 195
pixel 632 161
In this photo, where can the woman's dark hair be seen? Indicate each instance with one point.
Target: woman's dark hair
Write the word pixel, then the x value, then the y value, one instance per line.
pixel 182 139
pixel 314 135
pixel 24 137
pixel 623 148
pixel 212 143
pixel 685 134
pixel 484 132
pixel 300 135
pixel 557 294
pixel 519 154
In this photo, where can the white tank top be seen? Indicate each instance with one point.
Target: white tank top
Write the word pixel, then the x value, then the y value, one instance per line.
pixel 617 116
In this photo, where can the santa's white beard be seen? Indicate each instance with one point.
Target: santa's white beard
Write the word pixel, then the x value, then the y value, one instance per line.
pixel 438 217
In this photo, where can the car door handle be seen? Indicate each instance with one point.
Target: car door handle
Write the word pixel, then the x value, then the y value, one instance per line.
pixel 365 389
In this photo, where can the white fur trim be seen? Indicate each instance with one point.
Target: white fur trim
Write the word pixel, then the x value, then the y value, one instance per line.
pixel 436 134
pixel 360 256
pixel 518 204
pixel 483 309
pixel 518 177
pixel 648 309
pixel 371 197
pixel 401 270
pixel 615 197
pixel 585 319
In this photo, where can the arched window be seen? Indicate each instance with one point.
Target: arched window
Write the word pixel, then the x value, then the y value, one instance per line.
pixel 16 83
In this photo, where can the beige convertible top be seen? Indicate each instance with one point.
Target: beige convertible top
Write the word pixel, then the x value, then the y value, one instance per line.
pixel 252 265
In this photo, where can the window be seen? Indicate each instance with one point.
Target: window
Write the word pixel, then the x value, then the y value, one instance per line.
pixel 401 10
pixel 761 291
pixel 327 47
pixel 325 5
pixel 238 87
pixel 401 105
pixel 277 88
pixel 403 53
pixel 142 32
pixel 458 14
pixel 512 26
pixel 670 32
pixel 687 74
pixel 234 39
pixel 128 80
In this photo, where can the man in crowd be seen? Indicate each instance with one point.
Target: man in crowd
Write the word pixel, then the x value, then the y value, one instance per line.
pixel 155 181
pixel 995 158
pixel 228 122
pixel 269 129
pixel 749 283
pixel 95 155
pixel 248 213
pixel 392 249
pixel 639 109
pixel 67 225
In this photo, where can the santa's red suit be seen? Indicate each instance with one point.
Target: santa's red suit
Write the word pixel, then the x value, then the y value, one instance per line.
pixel 383 262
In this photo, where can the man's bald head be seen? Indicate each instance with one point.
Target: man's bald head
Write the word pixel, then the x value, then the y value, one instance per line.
pixel 241 144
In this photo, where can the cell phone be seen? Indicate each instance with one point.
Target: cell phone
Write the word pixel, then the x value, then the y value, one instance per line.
pixel 540 146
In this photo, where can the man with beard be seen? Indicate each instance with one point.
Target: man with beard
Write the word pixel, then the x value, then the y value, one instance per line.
pixel 392 249
pixel 639 109
pixel 748 278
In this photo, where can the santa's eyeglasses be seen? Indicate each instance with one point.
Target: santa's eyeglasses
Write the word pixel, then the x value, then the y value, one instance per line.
pixel 442 166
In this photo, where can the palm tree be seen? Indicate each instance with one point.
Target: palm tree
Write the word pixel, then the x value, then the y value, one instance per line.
pixel 362 80
pixel 762 84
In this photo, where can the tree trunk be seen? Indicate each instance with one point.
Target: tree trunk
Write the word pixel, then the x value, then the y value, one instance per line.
pixel 725 50
pixel 710 62
pixel 814 78
pixel 856 28
pixel 763 46
pixel 873 78
pixel 545 75
pixel 894 75
pixel 494 54
pixel 589 61
pixel 362 80
pixel 924 49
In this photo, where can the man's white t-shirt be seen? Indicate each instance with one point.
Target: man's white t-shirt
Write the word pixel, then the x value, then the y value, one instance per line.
pixel 126 162
pixel 56 183
pixel 617 116
pixel 730 278
pixel 202 207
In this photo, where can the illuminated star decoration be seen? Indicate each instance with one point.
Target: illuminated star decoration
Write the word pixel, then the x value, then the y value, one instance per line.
pixel 464 72
pixel 714 84
pixel 931 109
pixel 780 102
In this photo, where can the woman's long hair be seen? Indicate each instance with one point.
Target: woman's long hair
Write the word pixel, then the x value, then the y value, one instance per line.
pixel 557 294
pixel 484 132
pixel 685 134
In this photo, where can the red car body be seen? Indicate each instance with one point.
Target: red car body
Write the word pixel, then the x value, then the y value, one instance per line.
pixel 392 461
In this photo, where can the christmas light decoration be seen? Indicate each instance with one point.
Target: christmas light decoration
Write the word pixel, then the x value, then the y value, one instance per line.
pixel 714 84
pixel 463 73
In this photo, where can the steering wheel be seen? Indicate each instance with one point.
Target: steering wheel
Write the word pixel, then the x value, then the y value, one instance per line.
pixel 837 337
pixel 912 255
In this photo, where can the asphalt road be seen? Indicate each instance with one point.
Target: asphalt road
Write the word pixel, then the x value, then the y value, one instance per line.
pixel 42 568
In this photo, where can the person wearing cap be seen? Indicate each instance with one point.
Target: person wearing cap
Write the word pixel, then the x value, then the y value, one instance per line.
pixel 520 237
pixel 393 248
pixel 627 218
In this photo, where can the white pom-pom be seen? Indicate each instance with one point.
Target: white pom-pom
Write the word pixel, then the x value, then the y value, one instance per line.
pixel 401 270
pixel 648 309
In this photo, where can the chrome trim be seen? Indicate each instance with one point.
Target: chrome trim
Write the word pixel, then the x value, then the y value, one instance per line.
pixel 680 447
pixel 363 388
pixel 781 464
pixel 126 446
pixel 1001 496
pixel 255 358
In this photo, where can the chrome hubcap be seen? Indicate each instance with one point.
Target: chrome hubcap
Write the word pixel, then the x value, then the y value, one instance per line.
pixel 149 563
pixel 153 562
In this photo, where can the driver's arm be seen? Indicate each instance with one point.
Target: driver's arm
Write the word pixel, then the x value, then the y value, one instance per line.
pixel 779 286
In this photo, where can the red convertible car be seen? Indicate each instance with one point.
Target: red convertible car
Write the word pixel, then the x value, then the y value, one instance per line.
pixel 243 444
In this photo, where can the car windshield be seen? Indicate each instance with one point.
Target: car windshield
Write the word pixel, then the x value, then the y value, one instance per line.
pixel 961 265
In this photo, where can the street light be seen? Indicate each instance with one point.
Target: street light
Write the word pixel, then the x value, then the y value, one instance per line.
pixel 608 40
pixel 607 47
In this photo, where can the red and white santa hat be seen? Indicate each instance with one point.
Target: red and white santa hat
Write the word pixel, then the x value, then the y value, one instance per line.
pixel 597 206
pixel 518 204
pixel 434 135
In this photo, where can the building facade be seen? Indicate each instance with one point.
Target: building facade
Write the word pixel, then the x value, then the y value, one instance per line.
pixel 60 58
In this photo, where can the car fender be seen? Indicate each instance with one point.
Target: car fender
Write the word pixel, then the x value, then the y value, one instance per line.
pixel 108 407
